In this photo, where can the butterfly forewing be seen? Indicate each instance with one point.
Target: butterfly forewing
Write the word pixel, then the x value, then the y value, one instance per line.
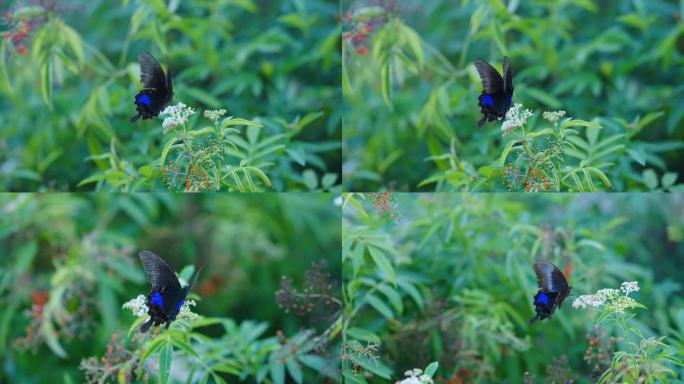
pixel 507 76
pixel 491 79
pixel 151 74
pixel 549 278
pixel 159 274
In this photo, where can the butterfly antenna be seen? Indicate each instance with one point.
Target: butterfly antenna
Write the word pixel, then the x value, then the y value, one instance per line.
pixel 194 279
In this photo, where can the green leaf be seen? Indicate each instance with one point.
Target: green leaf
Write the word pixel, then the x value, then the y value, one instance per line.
pixel 648 119
pixel 328 180
pixel 277 370
pixel 362 335
pixel 650 178
pixel 668 179
pixel 637 155
pixel 374 366
pixel 181 344
pixel 431 369
pixel 165 360
pixel 230 121
pixel 165 151
pixel 543 97
pixel 295 370
pixel 297 155
pixel 202 96
pixel 380 306
pixel 151 171
pixel 260 174
pixel 357 258
pixel 310 179
pixel 4 77
pixel 253 132
pixel 46 82
pixel 152 347
pixel 386 82
pixel 383 263
pixel 73 39
pixel 414 42
pixel 392 296
pixel 412 291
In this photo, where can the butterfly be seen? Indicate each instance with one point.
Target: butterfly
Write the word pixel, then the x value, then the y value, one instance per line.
pixel 497 92
pixel 157 90
pixel 553 289
pixel 167 296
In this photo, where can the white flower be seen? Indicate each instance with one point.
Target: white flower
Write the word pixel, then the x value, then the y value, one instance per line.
pixel 138 306
pixel 515 118
pixel 615 300
pixel 178 115
pixel 629 286
pixel 415 376
pixel 186 312
pixel 338 201
pixel 214 114
pixel 553 116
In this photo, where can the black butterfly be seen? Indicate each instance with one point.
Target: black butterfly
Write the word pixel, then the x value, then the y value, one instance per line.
pixel 553 289
pixel 497 92
pixel 167 296
pixel 157 90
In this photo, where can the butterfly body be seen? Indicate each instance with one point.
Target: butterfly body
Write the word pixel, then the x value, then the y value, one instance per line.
pixel 167 296
pixel 157 90
pixel 553 289
pixel 497 92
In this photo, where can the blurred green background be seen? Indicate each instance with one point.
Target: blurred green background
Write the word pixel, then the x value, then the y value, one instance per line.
pixel 449 278
pixel 411 88
pixel 69 72
pixel 79 252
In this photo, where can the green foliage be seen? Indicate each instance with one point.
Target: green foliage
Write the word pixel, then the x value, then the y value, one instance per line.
pixel 411 90
pixel 70 262
pixel 452 281
pixel 66 105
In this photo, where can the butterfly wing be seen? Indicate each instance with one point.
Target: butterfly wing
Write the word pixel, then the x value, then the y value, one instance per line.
pixel 550 278
pixel 159 274
pixel 152 75
pixel 507 76
pixel 169 86
pixel 492 82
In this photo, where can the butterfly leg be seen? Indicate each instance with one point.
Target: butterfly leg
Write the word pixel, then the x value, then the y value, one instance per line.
pixel 481 122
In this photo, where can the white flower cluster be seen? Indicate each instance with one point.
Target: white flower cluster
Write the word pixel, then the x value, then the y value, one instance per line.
pixel 515 118
pixel 553 116
pixel 178 115
pixel 415 376
pixel 615 300
pixel 214 114
pixel 186 312
pixel 629 286
pixel 138 306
